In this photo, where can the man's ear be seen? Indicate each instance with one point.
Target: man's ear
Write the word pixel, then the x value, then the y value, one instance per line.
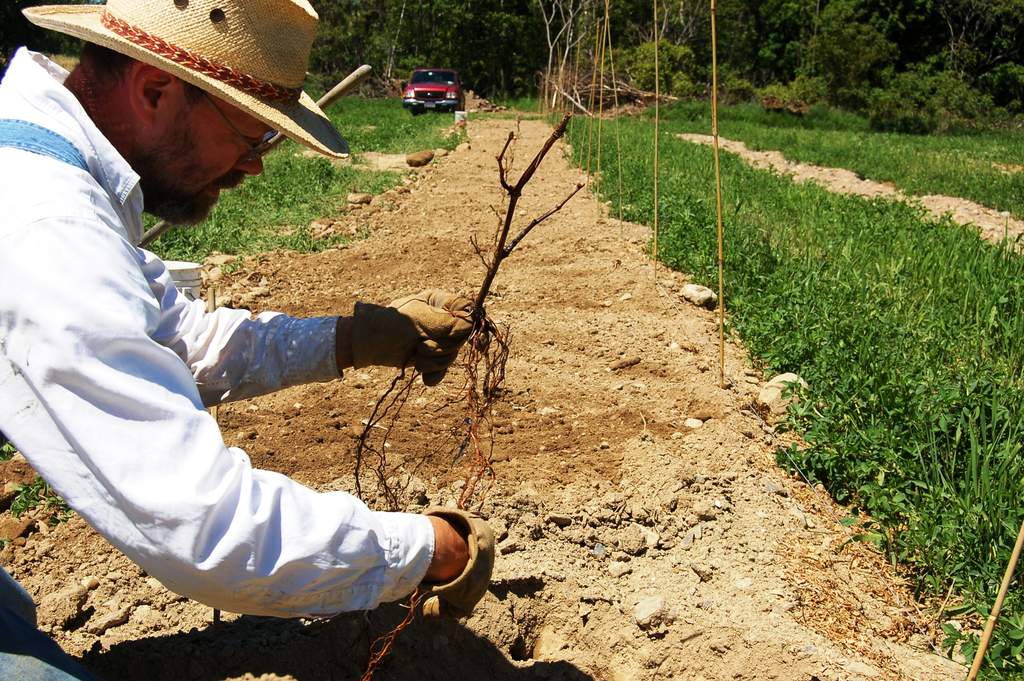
pixel 155 97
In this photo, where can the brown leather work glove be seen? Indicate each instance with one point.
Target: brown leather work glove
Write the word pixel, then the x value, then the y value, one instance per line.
pixel 458 597
pixel 426 329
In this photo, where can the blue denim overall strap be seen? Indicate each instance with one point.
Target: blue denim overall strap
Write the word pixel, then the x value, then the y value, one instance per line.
pixel 39 140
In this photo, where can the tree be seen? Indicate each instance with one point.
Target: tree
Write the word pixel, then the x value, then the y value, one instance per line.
pixel 849 53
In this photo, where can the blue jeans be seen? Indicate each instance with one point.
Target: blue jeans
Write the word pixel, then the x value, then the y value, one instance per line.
pixel 26 654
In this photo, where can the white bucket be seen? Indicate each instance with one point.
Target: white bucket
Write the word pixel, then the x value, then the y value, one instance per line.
pixel 187 277
pixel 460 117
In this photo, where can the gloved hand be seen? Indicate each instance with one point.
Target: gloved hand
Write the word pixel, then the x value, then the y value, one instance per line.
pixel 426 329
pixel 458 597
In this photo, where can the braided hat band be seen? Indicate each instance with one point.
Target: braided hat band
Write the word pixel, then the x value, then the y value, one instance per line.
pixel 196 62
pixel 252 54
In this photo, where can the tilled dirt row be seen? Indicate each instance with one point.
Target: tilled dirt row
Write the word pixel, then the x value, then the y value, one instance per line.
pixel 631 545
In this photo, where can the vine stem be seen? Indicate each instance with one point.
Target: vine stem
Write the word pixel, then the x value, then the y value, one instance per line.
pixel 502 251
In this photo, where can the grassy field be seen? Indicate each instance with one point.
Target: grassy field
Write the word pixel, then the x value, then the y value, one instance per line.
pixel 985 167
pixel 274 209
pixel 908 331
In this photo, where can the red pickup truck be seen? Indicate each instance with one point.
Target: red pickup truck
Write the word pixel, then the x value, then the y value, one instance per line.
pixel 433 90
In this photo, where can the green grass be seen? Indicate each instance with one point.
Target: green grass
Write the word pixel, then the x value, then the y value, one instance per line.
pixel 528 105
pixel 909 333
pixel 954 164
pixel 273 210
pixel 39 493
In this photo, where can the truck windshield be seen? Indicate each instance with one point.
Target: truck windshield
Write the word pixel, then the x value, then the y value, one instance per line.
pixel 447 77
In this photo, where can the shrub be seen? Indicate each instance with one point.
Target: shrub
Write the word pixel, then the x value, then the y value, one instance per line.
pixel 733 88
pixel 677 68
pixel 1005 84
pixel 796 97
pixel 918 101
pixel 848 54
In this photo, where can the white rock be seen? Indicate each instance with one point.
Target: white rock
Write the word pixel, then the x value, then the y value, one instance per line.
pixel 772 396
pixel 649 612
pixel 618 568
pixel 100 623
pixel 693 424
pixel 701 296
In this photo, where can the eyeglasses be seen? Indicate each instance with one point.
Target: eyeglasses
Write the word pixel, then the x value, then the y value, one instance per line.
pixel 256 150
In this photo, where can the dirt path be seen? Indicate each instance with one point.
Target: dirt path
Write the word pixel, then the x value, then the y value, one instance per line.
pixel 631 546
pixel 993 224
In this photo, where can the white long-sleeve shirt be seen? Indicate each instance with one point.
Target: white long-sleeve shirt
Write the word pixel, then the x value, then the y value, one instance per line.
pixel 104 372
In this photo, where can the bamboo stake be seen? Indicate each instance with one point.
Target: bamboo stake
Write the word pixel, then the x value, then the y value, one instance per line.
pixel 718 199
pixel 615 99
pixel 590 102
pixel 600 93
pixel 992 616
pixel 657 100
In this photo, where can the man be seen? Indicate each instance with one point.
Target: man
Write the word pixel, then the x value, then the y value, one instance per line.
pixel 105 369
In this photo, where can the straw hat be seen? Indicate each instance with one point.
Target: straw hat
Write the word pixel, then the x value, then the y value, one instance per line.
pixel 252 54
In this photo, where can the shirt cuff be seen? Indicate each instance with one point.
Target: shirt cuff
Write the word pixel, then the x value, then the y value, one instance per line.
pixel 409 549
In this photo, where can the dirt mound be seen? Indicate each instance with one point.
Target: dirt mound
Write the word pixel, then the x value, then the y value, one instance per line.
pixel 631 546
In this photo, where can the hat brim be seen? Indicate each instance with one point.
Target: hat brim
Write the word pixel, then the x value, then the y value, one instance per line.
pixel 302 121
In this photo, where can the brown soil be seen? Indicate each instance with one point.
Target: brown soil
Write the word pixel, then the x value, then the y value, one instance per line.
pixel 631 546
pixel 993 224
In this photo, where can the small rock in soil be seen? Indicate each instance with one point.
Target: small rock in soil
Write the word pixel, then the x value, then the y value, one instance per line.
pixel 100 623
pixel 625 363
pixel 705 572
pixel 13 528
pixel 649 612
pixel 772 487
pixel 17 470
pixel 510 546
pixel 64 606
pixel 771 396
pixel 7 495
pixel 693 424
pixel 701 296
pixel 419 158
pixel 359 198
pixel 706 511
pixel 559 519
pixel 632 541
pixel 617 568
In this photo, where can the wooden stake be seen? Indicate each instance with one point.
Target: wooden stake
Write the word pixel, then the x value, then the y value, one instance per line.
pixel 992 616
pixel 657 101
pixel 718 199
pixel 600 92
pixel 590 100
pixel 615 99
